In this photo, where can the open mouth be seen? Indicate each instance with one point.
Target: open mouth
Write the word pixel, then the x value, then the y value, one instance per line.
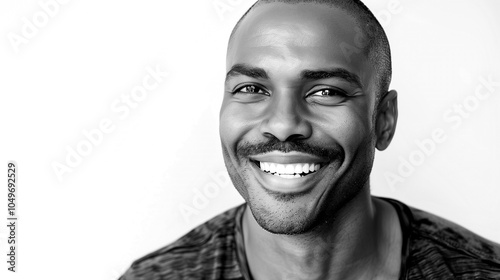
pixel 288 171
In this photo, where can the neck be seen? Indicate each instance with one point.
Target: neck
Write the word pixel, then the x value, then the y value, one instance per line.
pixel 357 243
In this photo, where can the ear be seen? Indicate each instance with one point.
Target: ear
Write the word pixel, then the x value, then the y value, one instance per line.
pixel 387 117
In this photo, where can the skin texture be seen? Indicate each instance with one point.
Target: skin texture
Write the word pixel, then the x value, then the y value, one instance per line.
pixel 326 226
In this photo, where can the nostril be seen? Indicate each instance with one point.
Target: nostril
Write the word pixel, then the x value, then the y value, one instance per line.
pixel 295 137
pixel 286 130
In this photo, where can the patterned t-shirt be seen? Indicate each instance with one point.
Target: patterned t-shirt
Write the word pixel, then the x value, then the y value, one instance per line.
pixel 433 248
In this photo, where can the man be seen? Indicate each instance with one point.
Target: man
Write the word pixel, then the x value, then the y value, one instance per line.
pixel 306 103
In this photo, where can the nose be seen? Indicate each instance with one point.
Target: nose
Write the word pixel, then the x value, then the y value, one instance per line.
pixel 285 118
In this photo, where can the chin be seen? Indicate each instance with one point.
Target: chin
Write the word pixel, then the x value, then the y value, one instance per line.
pixel 283 215
pixel 301 213
pixel 282 223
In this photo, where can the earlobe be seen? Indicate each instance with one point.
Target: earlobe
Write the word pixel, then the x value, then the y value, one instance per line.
pixel 387 117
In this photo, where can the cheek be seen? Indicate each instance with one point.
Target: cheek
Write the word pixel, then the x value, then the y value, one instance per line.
pixel 234 127
pixel 348 126
pixel 355 130
pixel 237 121
pixel 360 120
pixel 228 124
pixel 359 142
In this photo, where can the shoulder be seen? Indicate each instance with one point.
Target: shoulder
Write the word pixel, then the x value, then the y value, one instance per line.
pixel 196 255
pixel 442 248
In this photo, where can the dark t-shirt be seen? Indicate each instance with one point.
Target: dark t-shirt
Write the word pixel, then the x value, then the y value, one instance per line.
pixel 433 248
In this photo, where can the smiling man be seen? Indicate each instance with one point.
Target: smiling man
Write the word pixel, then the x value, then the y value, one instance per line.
pixel 306 104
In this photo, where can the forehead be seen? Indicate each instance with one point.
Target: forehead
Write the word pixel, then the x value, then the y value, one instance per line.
pixel 297 36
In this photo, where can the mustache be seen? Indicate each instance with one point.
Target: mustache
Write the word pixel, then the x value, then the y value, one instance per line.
pixel 246 149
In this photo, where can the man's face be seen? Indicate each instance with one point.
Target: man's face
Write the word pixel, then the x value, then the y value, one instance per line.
pixel 296 119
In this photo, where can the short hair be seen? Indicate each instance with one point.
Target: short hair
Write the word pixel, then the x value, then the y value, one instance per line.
pixel 376 47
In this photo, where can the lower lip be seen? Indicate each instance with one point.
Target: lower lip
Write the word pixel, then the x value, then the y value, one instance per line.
pixel 284 185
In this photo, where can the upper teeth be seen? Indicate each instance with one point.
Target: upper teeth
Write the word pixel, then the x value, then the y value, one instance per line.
pixel 290 169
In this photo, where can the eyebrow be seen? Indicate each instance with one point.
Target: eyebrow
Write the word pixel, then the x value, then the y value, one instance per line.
pixel 332 73
pixel 260 73
pixel 247 70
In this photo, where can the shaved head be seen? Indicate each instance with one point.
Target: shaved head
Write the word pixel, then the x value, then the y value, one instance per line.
pixel 372 41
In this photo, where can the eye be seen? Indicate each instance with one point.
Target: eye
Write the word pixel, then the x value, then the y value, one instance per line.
pixel 328 92
pixel 250 89
pixel 327 96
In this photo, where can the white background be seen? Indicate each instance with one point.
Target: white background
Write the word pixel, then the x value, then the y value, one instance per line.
pixel 123 199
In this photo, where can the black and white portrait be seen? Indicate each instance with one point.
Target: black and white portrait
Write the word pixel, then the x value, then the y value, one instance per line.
pixel 234 139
